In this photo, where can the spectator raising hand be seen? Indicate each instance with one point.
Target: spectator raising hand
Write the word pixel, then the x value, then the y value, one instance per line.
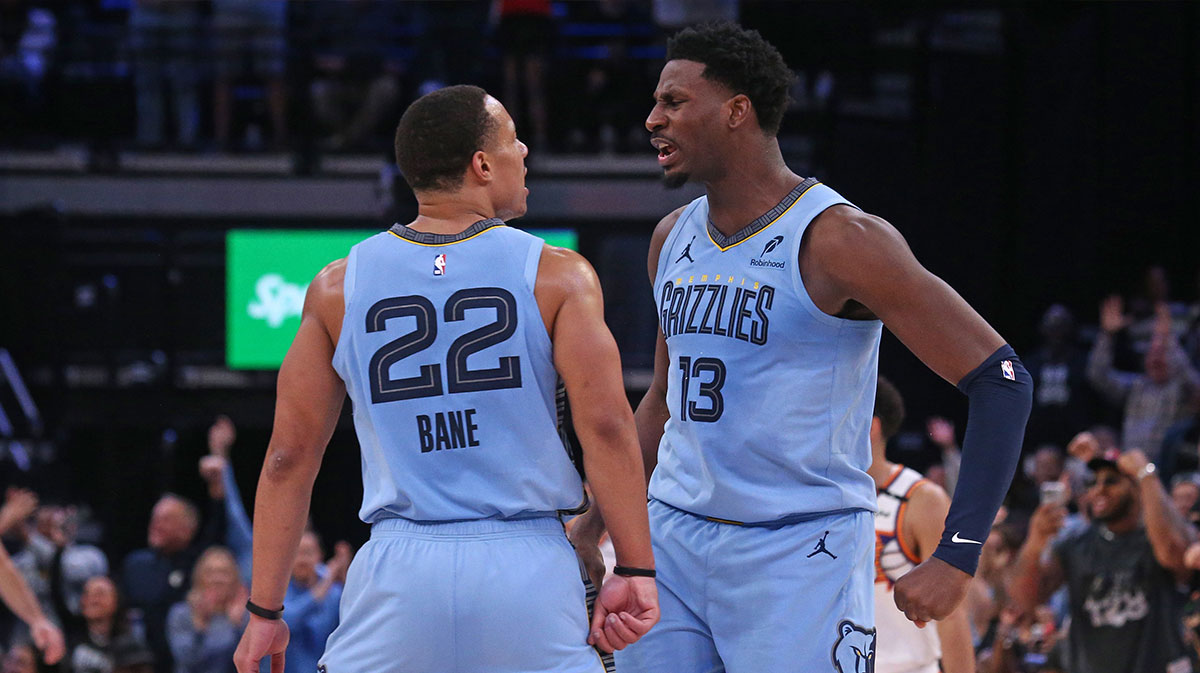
pixel 221 436
pixel 1112 314
pixel 19 505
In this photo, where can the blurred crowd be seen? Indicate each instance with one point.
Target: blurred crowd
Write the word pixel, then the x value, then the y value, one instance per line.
pixel 178 605
pixel 1092 565
pixel 332 75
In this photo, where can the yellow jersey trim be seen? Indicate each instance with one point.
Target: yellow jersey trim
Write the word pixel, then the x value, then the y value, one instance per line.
pixel 765 227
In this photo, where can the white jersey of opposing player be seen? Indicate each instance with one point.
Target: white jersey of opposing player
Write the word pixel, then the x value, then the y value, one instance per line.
pixel 900 646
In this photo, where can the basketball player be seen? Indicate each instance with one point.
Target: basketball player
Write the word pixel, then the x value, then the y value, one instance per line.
pixel 759 412
pixel 447 334
pixel 908 527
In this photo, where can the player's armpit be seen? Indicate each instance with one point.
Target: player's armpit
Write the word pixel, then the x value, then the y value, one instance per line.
pixel 661 231
pixel 850 255
pixel 652 412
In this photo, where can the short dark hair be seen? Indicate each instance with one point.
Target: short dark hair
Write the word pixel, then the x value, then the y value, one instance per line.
pixel 889 407
pixel 439 133
pixel 743 61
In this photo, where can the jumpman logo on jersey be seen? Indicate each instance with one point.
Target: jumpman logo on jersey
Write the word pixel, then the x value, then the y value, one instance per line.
pixel 820 548
pixel 687 251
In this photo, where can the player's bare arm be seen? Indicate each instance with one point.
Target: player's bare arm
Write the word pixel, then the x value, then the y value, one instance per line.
pixel 928 505
pixel 309 399
pixel 652 412
pixel 851 259
pixel 857 265
pixel 586 357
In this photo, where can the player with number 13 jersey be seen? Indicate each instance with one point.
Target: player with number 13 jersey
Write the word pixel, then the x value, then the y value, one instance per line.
pixel 770 397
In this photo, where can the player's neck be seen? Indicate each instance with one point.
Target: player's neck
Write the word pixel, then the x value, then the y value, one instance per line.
pixel 881 469
pixel 752 184
pixel 449 214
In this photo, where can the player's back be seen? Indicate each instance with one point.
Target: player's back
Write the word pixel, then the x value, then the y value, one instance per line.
pixel 449 368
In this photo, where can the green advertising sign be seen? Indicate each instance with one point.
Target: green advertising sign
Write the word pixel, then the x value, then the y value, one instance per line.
pixel 266 275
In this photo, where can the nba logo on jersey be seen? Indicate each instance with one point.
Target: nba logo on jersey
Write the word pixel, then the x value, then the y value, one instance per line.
pixel 439 267
pixel 1006 369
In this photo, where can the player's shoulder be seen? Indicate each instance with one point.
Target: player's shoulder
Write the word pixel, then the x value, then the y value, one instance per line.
pixel 667 224
pixel 926 494
pixel 658 239
pixel 332 278
pixel 326 296
pixel 565 269
pixel 844 227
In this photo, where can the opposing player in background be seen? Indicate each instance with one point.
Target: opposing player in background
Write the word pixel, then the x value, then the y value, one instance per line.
pixel 908 527
pixel 772 291
pixel 449 334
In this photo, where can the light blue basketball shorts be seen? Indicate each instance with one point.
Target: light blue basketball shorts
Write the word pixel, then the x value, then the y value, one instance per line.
pixel 796 598
pixel 463 597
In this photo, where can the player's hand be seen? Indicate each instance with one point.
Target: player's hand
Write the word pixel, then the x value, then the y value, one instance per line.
pixel 625 610
pixel 931 591
pixel 47 638
pixel 585 533
pixel 593 560
pixel 263 637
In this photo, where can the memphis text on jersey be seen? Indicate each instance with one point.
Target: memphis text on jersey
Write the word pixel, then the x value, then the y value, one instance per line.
pixel 717 305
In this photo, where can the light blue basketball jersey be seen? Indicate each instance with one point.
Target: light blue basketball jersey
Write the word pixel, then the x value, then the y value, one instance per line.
pixel 770 397
pixel 448 365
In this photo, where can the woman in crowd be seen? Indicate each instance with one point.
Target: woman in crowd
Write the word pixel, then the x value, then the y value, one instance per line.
pixel 99 631
pixel 204 630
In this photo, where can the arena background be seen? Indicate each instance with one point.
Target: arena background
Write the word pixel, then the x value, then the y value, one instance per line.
pixel 1030 153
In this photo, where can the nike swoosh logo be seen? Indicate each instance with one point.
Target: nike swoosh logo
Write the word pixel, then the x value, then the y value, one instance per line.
pixel 962 540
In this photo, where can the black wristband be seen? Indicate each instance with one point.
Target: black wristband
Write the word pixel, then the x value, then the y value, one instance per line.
pixel 626 571
pixel 263 612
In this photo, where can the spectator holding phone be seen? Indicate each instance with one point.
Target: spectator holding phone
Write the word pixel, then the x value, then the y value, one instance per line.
pixel 1122 572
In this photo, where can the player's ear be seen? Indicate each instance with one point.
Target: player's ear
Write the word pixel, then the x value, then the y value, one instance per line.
pixel 739 110
pixel 481 168
pixel 876 426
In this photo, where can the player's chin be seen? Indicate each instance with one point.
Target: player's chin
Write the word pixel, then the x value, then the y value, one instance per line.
pixel 674 179
pixel 513 212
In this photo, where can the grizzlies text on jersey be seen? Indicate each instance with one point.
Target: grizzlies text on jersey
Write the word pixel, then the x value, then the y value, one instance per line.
pixel 770 397
pixel 448 365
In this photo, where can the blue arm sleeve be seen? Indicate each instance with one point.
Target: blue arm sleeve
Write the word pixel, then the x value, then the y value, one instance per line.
pixel 1000 396
pixel 238 533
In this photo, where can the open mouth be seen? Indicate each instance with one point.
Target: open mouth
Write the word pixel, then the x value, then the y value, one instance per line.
pixel 665 150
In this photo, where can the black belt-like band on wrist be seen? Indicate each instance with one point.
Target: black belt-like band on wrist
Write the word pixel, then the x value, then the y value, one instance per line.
pixel 259 610
pixel 626 571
